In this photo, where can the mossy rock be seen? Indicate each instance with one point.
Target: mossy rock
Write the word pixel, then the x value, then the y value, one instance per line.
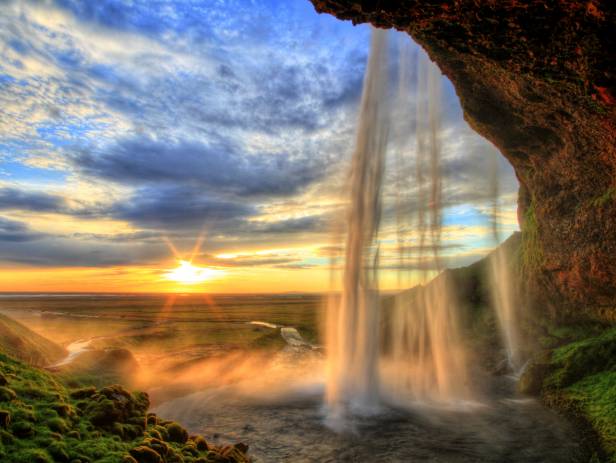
pixel 7 394
pixel 190 450
pixel 22 429
pixel 64 410
pixel 201 443
pixel 162 431
pixel 144 454
pixel 57 425
pixel 59 453
pixel 31 456
pixel 115 404
pixel 83 393
pixel 157 445
pixel 584 358
pixel 176 433
pixel 5 419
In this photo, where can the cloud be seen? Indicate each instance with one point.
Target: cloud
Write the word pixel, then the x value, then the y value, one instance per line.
pixel 171 208
pixel 13 198
pixel 306 224
pixel 12 231
pixel 230 117
pixel 221 167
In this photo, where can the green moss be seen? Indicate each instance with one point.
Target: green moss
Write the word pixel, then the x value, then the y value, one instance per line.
pixel 596 397
pixel 45 422
pixel 177 433
pixel 57 425
pixel 531 253
pixel 580 378
pixel 608 196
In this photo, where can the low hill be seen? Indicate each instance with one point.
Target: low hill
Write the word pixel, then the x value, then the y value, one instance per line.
pixel 22 343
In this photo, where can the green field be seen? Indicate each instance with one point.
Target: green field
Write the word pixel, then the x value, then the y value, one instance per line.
pixel 165 334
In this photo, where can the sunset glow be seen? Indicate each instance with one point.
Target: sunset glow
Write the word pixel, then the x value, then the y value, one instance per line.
pixel 133 164
pixel 188 274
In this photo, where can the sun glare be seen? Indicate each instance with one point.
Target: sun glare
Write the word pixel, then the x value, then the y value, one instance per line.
pixel 188 274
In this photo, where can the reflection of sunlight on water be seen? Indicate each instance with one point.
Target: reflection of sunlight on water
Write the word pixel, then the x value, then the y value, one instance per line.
pixel 266 324
pixel 74 350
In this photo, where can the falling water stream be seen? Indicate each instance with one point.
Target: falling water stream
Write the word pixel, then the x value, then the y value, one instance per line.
pixel 397 383
pixel 425 358
pixel 353 326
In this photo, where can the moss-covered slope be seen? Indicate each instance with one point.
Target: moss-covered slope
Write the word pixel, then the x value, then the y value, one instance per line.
pixel 42 421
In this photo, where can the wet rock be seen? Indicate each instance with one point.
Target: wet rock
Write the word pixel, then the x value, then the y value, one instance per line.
pixel 531 380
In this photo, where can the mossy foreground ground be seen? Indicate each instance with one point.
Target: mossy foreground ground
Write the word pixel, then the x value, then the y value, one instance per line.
pixel 578 376
pixel 42 421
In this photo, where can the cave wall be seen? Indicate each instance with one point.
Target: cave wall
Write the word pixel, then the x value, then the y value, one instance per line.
pixel 536 79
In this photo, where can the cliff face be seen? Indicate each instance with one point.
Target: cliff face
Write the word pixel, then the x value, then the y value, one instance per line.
pixel 538 80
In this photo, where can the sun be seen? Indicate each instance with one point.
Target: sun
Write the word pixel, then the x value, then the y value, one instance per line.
pixel 188 274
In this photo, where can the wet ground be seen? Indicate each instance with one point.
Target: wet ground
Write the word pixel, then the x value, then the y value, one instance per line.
pixel 285 423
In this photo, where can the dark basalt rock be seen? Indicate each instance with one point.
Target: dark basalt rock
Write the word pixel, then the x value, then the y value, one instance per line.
pixel 538 80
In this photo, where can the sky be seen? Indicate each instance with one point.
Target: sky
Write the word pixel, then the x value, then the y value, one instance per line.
pixel 135 134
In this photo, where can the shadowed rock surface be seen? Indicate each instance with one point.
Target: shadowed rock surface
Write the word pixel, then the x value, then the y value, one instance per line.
pixel 536 79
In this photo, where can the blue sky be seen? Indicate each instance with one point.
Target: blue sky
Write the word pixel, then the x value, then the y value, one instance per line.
pixel 128 125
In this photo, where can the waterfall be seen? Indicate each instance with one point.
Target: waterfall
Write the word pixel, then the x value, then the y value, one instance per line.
pixel 415 352
pixel 504 301
pixel 426 359
pixel 353 321
pixel 506 305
